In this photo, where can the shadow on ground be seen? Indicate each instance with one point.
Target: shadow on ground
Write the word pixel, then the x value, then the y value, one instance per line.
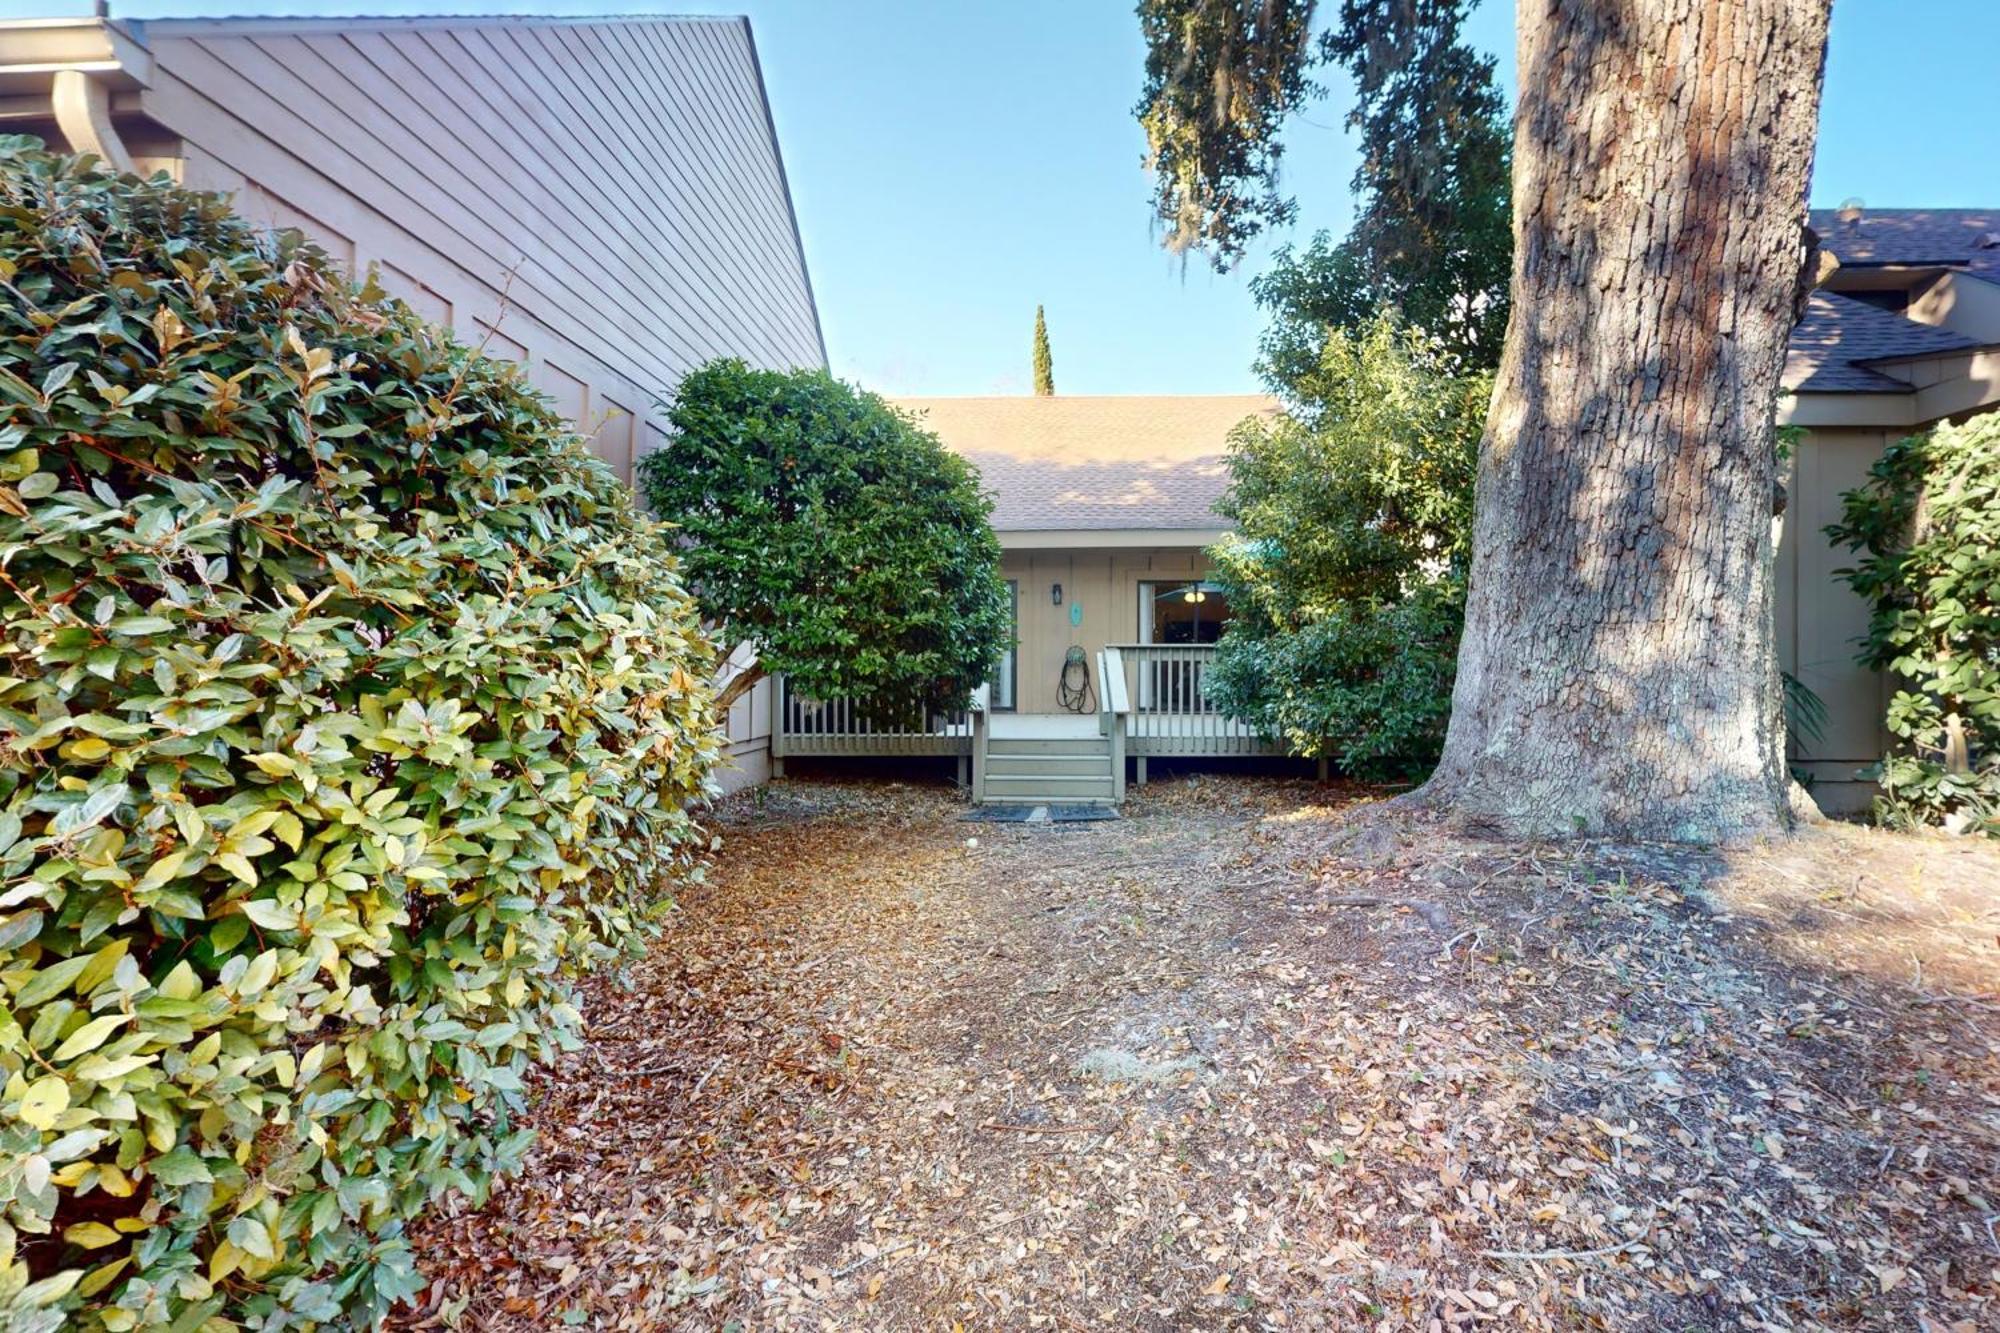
pixel 1263 1053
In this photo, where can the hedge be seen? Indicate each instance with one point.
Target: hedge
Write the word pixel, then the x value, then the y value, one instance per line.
pixel 348 709
pixel 1927 523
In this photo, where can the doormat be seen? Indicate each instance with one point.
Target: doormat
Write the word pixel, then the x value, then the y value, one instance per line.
pixel 1040 814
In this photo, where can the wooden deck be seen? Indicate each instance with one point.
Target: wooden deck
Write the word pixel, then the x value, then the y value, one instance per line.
pixel 1152 705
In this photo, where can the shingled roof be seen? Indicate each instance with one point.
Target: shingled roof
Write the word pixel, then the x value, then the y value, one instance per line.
pixel 1956 237
pixel 1842 345
pixel 1833 345
pixel 1068 463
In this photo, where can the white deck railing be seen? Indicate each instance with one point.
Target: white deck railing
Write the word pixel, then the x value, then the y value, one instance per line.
pixel 1151 700
pixel 815 727
pixel 1115 713
pixel 1171 711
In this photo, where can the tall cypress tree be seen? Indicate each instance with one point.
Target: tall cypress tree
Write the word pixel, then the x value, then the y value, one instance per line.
pixel 1045 370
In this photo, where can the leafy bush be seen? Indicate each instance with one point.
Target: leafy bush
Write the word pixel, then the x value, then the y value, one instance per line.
pixel 836 535
pixel 1347 569
pixel 347 708
pixel 1929 520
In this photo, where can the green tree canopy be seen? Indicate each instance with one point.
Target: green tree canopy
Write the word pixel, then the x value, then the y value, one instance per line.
pixel 1432 237
pixel 1347 569
pixel 1221 75
pixel 835 535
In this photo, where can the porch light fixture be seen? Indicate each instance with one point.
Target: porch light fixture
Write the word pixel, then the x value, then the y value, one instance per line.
pixel 1194 594
pixel 1055 594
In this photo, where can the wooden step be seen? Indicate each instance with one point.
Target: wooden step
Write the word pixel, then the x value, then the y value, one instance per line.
pixel 1061 765
pixel 1050 800
pixel 1014 746
pixel 1045 789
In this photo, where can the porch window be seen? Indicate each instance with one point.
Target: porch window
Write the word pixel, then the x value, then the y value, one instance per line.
pixel 1001 696
pixel 1181 612
pixel 1184 619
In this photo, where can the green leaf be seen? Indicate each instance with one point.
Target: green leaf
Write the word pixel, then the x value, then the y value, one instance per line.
pixel 51 981
pixel 91 1235
pixel 44 1102
pixel 181 1167
pixel 89 1037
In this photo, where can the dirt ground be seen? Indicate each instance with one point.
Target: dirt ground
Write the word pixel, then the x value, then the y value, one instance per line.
pixel 1265 1055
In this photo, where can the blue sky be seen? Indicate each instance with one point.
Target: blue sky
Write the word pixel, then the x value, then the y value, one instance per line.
pixel 954 162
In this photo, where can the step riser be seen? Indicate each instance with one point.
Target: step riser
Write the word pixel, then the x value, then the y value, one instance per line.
pixel 1070 800
pixel 1082 746
pixel 1043 790
pixel 1055 765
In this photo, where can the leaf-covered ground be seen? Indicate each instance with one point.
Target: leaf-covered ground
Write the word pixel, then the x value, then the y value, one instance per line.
pixel 1255 1056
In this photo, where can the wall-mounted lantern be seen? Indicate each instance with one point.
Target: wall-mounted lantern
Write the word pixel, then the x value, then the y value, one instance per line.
pixel 1055 594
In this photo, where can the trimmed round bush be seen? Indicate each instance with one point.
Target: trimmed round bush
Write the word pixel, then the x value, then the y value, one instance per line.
pixel 348 709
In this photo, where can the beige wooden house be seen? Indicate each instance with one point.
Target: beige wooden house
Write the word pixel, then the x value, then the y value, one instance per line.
pixel 1104 507
pixel 1906 333
pixel 602 200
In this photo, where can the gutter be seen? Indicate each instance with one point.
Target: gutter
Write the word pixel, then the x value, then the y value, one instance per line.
pixel 69 70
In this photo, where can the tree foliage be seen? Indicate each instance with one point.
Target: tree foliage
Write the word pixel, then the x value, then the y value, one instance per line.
pixel 1221 75
pixel 1347 569
pixel 1045 366
pixel 1928 520
pixel 348 707
pixel 835 534
pixel 1432 237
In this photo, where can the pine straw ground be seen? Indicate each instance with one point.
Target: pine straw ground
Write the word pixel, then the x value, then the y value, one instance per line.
pixel 1260 1055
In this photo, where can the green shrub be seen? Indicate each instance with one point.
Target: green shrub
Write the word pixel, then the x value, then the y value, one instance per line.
pixel 1347 570
pixel 1929 520
pixel 347 708
pixel 836 535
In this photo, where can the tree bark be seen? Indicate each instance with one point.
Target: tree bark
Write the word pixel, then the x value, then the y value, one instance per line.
pixel 1618 672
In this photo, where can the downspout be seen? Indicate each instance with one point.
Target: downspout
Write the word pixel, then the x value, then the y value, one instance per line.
pixel 82 108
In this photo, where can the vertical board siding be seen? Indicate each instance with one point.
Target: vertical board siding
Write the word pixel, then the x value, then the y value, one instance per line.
pixel 1821 621
pixel 609 194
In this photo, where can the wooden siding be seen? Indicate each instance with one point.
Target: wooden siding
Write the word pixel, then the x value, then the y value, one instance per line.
pixel 602 200
pixel 1820 620
pixel 1105 583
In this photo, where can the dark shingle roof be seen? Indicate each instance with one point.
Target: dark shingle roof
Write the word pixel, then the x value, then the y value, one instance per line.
pixel 1070 463
pixel 1839 343
pixel 1839 334
pixel 1961 237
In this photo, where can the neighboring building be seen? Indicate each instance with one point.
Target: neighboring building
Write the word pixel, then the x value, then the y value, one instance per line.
pixel 1109 500
pixel 1904 334
pixel 602 200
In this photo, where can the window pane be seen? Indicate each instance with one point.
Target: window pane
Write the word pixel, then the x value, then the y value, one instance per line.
pixel 1186 612
pixel 1002 695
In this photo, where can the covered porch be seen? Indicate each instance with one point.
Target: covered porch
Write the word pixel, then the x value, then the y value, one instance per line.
pixel 1148 703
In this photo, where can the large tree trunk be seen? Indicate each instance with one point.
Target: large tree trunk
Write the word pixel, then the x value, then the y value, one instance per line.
pixel 1618 672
